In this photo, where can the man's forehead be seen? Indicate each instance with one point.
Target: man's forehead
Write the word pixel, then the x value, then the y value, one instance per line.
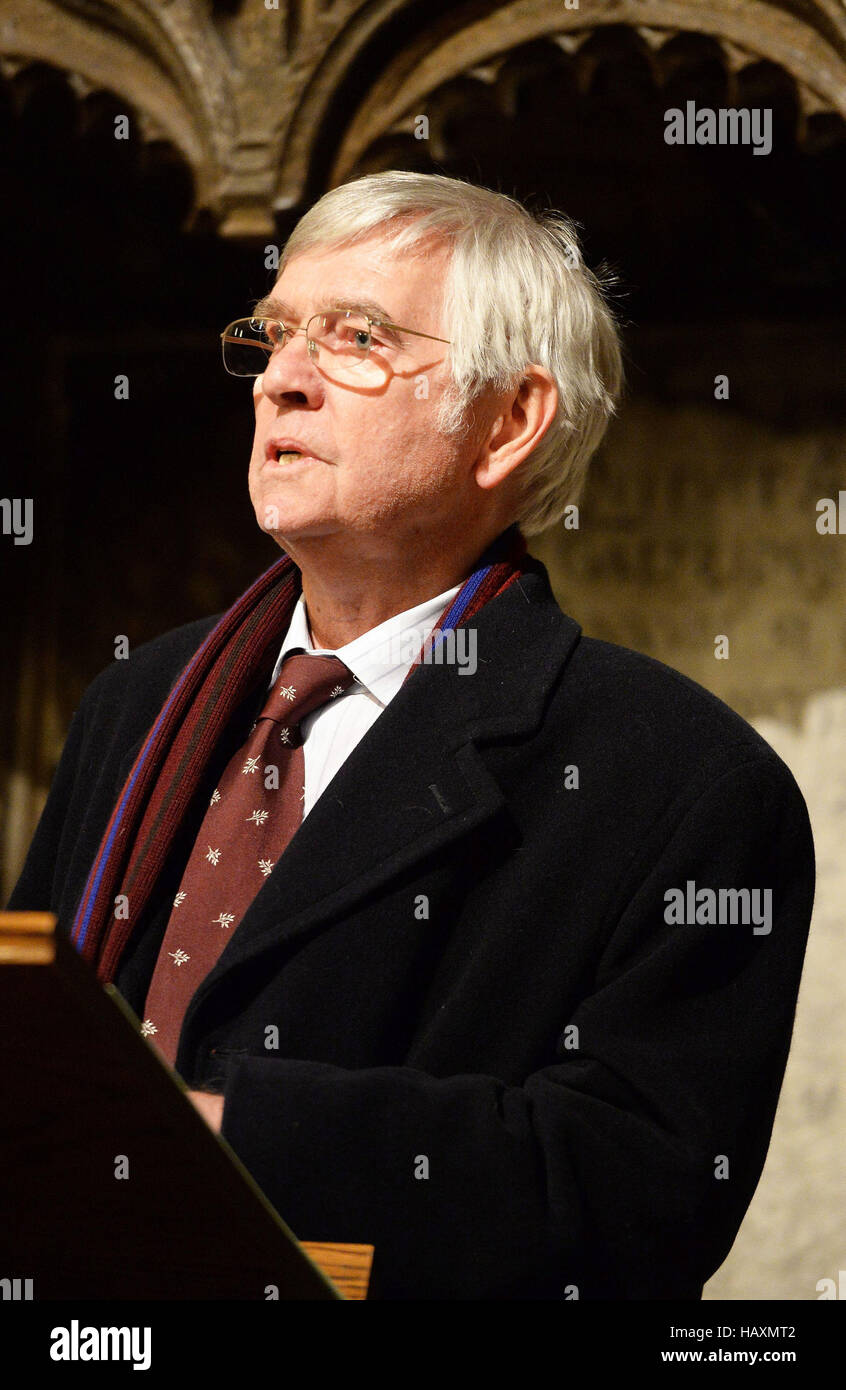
pixel 278 305
pixel 370 276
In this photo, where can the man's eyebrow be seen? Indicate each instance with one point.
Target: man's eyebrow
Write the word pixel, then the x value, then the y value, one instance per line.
pixel 270 307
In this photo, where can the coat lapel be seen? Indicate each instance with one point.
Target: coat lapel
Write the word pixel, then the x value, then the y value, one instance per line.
pixel 416 781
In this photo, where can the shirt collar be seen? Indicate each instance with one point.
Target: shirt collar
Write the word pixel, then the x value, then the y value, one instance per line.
pixel 381 658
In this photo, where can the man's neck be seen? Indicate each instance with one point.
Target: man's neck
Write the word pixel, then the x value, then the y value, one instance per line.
pixel 347 596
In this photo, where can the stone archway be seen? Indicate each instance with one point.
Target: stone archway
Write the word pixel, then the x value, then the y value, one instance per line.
pixel 252 95
pixel 746 31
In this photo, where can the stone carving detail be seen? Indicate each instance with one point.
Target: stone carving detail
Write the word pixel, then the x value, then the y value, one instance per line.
pixel 247 90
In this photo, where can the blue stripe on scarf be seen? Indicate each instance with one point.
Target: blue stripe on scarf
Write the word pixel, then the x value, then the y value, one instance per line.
pixel 461 602
pixel 79 930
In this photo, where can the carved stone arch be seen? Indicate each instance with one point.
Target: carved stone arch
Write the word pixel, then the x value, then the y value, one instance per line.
pixel 169 73
pixel 805 37
pixel 271 105
pixel 58 118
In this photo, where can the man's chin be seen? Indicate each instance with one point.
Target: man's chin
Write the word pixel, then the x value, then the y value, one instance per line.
pixel 285 528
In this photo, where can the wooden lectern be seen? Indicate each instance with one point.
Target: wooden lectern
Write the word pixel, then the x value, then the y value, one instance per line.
pixel 113 1186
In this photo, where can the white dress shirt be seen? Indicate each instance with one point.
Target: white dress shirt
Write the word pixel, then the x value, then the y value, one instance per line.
pixel 380 660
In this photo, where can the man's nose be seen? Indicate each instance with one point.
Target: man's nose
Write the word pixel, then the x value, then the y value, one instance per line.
pixel 290 370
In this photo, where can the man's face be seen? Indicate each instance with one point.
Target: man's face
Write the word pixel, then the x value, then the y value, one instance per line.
pixel 379 468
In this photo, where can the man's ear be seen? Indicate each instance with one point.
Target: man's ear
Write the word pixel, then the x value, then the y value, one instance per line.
pixel 521 420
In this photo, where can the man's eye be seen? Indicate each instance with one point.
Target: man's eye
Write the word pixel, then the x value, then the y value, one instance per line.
pixel 351 336
pixel 266 328
pixel 349 333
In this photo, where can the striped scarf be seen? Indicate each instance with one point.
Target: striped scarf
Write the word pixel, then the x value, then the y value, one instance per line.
pixel 167 772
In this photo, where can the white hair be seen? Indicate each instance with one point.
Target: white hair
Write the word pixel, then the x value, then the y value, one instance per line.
pixel 516 291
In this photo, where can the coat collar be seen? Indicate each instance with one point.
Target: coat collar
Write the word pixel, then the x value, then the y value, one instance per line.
pixel 416 781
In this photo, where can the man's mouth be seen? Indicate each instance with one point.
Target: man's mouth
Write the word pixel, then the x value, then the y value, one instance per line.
pixel 287 454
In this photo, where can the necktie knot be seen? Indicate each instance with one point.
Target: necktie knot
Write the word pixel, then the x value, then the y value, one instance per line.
pixel 305 683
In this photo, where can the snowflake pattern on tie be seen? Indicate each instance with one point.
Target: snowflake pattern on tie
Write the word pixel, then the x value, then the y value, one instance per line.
pixel 246 828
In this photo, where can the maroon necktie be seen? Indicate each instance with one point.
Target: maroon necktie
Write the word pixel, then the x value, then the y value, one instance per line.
pixel 253 814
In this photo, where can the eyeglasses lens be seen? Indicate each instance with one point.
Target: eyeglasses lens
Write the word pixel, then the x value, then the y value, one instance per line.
pixel 339 343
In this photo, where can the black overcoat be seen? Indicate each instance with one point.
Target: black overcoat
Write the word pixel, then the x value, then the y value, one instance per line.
pixel 455 1022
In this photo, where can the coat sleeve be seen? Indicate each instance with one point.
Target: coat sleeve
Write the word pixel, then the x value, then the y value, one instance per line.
pixel 624 1167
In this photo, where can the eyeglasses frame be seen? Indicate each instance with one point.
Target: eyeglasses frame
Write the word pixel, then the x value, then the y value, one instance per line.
pixel 290 332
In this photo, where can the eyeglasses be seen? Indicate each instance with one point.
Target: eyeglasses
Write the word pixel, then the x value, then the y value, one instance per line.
pixel 340 342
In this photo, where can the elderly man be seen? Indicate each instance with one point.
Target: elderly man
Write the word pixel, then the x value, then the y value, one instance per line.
pixel 480 940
